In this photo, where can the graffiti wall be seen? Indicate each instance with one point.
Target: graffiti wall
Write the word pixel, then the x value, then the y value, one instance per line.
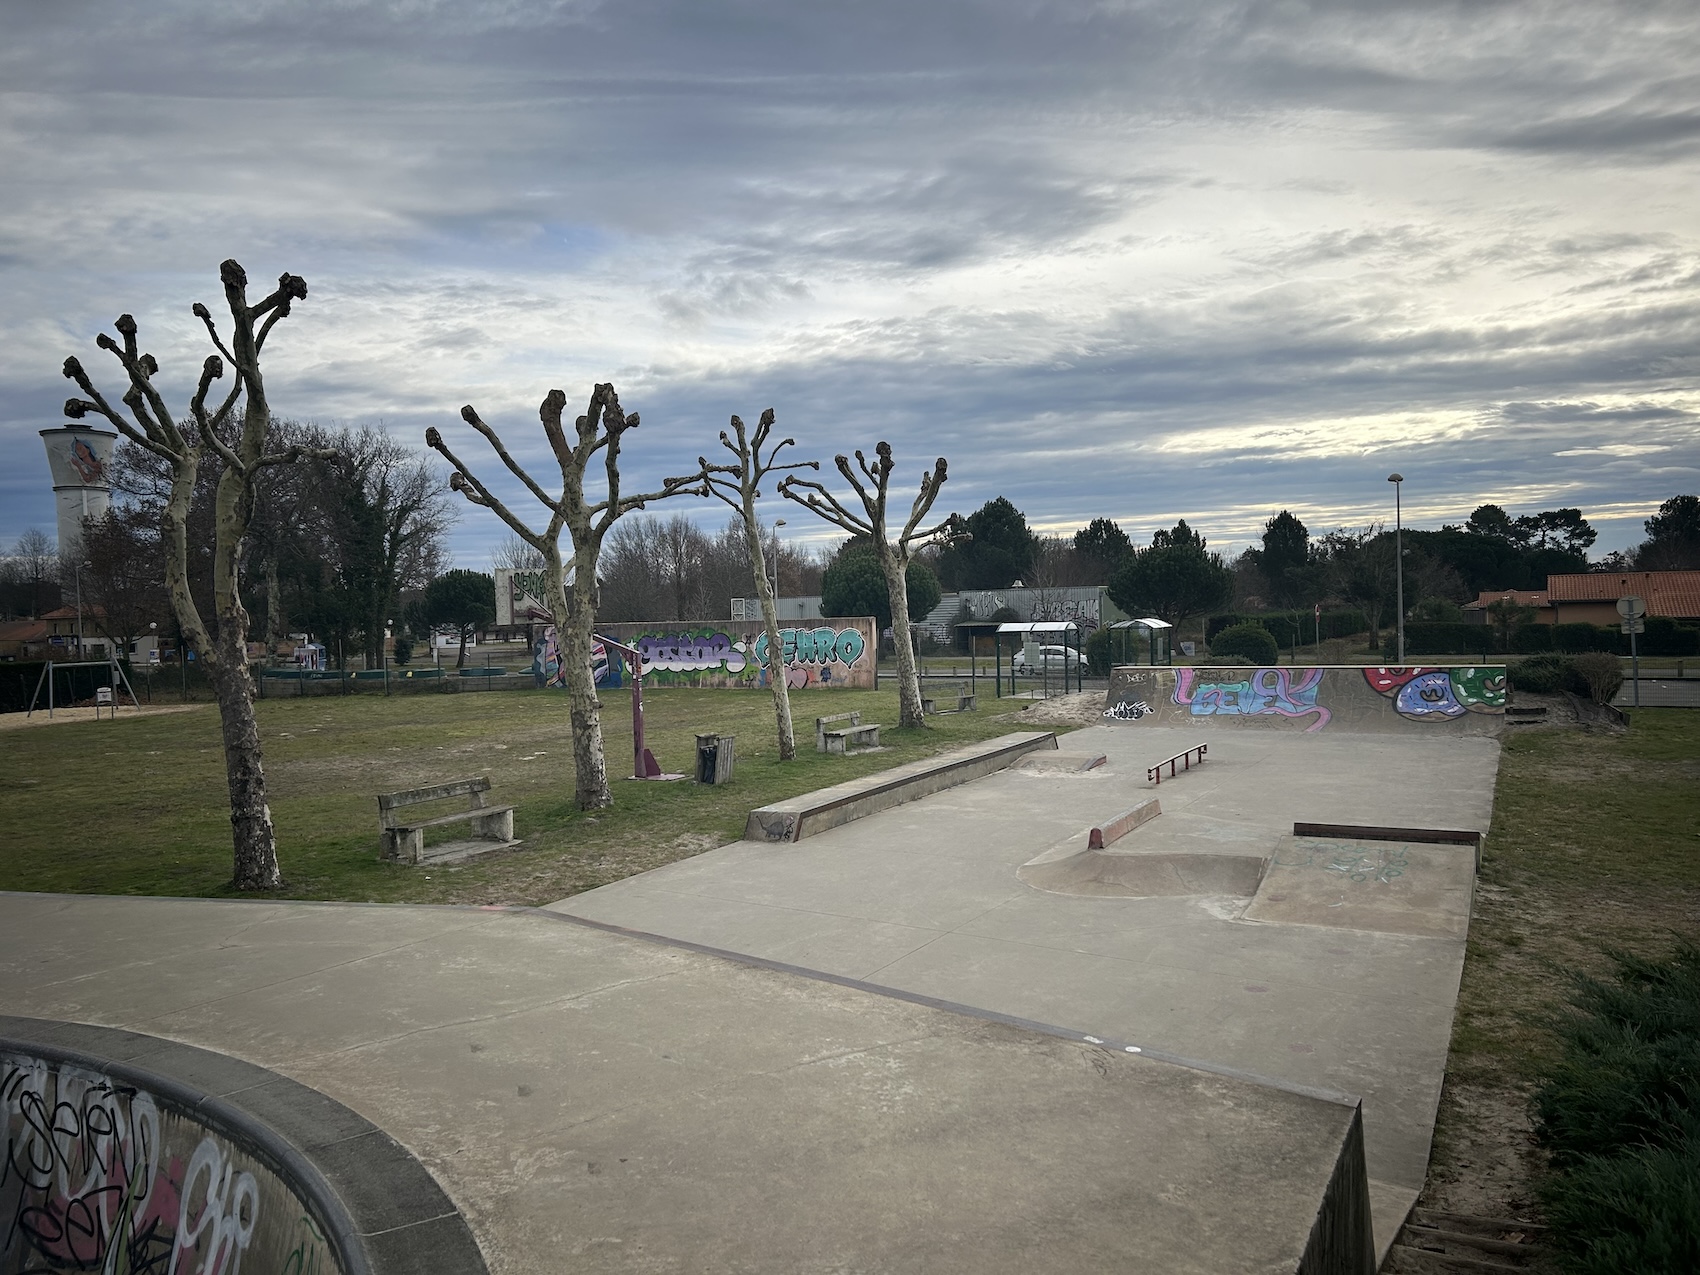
pixel 101 1176
pixel 817 653
pixel 1311 699
pixel 1088 607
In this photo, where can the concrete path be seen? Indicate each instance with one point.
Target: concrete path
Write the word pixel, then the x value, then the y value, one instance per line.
pixel 594 1102
pixel 926 898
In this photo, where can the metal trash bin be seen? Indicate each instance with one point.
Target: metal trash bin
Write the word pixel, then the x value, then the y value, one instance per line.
pixel 714 758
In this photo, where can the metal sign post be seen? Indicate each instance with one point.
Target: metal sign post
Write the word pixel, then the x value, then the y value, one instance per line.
pixel 1633 610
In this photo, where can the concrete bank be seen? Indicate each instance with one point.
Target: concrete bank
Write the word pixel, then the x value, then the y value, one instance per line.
pixel 815 812
pixel 593 1101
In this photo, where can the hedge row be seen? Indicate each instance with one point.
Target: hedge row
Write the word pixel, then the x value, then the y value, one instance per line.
pixel 1663 637
pixel 1285 626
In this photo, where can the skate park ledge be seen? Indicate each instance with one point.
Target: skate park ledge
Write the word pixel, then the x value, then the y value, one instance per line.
pixel 814 812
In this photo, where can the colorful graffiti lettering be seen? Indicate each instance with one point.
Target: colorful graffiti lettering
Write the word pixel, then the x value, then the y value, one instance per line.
pixel 691 652
pixel 100 1176
pixel 815 646
pixel 1439 694
pixel 1265 692
pixel 546 663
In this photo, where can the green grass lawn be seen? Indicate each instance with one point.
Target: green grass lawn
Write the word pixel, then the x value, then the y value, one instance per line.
pixel 139 806
pixel 1595 844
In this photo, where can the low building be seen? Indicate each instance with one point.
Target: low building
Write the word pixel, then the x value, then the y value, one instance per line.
pixel 1591 597
pixel 23 639
pixel 1477 612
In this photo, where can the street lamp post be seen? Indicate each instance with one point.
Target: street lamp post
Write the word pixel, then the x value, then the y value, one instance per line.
pixel 1399 556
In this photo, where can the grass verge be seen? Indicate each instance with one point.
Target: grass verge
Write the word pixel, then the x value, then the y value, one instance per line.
pixel 139 806
pixel 1595 845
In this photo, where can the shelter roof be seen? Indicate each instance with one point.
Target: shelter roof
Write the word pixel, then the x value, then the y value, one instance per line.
pixel 1149 622
pixel 1669 593
pixel 1039 626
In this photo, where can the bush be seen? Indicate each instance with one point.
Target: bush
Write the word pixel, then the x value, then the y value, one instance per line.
pixel 403 650
pixel 1441 639
pixel 1664 636
pixel 1281 625
pixel 1248 639
pixel 1620 1112
pixel 1529 639
pixel 1547 675
pixel 1603 674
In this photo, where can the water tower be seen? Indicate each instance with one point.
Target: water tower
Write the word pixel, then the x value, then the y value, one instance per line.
pixel 78 456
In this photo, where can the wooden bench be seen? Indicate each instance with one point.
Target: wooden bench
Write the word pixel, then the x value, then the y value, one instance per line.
pixel 403 833
pixel 839 739
pixel 964 703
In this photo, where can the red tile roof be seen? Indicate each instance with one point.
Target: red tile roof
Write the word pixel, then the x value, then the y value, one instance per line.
pixel 23 630
pixel 1522 597
pixel 1670 593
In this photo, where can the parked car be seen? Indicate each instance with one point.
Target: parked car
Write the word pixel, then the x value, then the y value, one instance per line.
pixel 1051 659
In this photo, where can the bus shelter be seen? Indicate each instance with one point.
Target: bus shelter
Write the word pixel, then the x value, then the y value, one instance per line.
pixel 1036 635
pixel 1147 641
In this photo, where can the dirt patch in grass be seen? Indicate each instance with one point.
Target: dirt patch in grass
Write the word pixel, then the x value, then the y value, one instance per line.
pixel 1595 845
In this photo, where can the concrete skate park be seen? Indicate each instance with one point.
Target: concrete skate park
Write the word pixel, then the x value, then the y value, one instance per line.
pixel 1018 1007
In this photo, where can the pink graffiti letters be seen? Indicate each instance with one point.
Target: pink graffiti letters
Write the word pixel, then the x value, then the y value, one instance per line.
pixel 1265 692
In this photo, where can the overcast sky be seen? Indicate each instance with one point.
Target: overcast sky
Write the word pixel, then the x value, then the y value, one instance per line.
pixel 1135 260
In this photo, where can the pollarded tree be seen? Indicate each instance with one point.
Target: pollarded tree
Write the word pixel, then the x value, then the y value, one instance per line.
pixel 739 485
pixel 600 429
pixel 893 552
pixel 235 443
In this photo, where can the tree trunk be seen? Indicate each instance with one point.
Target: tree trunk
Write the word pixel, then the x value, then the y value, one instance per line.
pixel 574 631
pixel 461 662
pixel 775 649
pixel 251 830
pixel 908 676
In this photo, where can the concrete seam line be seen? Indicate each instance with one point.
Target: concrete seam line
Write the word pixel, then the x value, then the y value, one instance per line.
pixel 293 1164
pixel 966 1011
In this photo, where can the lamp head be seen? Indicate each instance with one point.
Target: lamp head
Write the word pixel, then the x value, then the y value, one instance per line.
pixel 1395 478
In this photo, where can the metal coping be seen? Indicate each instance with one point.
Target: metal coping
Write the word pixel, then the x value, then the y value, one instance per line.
pixel 299 1168
pixel 1362 832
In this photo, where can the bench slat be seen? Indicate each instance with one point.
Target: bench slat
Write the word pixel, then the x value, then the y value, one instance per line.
pixel 437 792
pixel 393 824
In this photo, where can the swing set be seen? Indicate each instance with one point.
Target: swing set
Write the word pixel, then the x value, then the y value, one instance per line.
pixel 104 696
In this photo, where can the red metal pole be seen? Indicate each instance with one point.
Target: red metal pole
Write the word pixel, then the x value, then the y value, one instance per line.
pixel 633 659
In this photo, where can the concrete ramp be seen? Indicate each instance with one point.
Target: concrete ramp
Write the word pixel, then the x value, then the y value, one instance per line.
pixel 1133 875
pixel 1386 886
pixel 1338 699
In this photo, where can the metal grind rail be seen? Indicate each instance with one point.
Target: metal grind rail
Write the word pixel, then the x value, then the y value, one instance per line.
pixel 1154 774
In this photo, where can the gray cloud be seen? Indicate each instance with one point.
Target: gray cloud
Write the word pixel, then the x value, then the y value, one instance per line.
pixel 1122 258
